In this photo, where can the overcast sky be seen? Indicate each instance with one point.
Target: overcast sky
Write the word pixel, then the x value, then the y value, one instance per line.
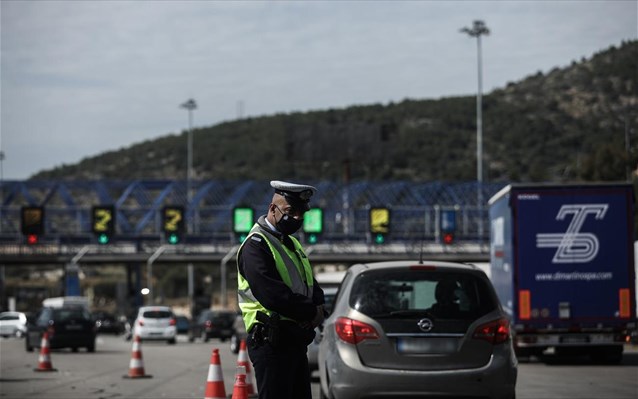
pixel 82 77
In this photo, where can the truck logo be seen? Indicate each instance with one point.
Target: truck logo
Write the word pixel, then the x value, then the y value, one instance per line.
pixel 574 246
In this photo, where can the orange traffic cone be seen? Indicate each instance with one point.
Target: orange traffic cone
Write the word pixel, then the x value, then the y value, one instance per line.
pixel 242 360
pixel 136 365
pixel 215 381
pixel 44 359
pixel 240 390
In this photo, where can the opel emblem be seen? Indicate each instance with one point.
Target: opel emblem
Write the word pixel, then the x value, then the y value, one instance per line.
pixel 425 325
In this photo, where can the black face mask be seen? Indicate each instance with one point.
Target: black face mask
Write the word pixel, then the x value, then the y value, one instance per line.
pixel 288 225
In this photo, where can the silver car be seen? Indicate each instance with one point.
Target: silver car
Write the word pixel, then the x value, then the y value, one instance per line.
pixel 410 328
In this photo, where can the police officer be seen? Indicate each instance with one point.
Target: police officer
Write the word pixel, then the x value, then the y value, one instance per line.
pixel 281 303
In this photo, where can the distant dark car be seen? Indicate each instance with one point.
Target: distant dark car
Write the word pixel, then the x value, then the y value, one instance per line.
pixel 106 322
pixel 212 324
pixel 183 324
pixel 68 327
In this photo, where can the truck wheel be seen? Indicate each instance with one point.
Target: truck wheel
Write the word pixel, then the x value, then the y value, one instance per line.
pixel 607 355
pixel 523 354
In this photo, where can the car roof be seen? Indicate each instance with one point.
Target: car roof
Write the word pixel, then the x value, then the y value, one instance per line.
pixel 65 307
pixel 439 265
pixel 330 277
pixel 158 307
pixel 218 311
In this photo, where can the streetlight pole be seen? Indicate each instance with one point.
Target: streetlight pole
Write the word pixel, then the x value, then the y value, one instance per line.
pixel 1 186
pixel 190 105
pixel 477 30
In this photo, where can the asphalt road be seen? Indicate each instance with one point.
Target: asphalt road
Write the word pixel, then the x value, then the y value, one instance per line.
pixel 180 371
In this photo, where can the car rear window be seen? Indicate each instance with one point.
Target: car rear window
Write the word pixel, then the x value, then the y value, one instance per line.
pixel 70 314
pixel 445 295
pixel 156 314
pixel 227 317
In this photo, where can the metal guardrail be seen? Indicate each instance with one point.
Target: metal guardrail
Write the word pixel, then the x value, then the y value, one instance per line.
pixel 94 254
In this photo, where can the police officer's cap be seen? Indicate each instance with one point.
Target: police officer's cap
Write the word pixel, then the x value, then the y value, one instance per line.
pixel 297 195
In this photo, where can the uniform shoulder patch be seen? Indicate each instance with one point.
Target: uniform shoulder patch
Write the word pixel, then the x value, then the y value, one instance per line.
pixel 256 238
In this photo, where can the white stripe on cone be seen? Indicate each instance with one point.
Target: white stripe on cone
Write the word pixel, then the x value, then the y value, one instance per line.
pixel 215 373
pixel 136 364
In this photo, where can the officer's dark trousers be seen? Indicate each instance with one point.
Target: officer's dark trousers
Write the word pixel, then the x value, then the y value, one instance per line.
pixel 281 373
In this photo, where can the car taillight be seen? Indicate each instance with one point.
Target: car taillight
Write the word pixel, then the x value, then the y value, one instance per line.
pixel 494 332
pixel 141 323
pixel 354 331
pixel 172 322
pixel 209 323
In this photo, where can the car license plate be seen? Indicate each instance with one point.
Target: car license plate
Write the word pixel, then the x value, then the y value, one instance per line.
pixel 578 339
pixel 406 345
pixel 74 327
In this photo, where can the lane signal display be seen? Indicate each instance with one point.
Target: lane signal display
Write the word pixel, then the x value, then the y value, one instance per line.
pixel 32 223
pixel 313 224
pixel 379 224
pixel 448 226
pixel 173 224
pixel 243 220
pixel 103 223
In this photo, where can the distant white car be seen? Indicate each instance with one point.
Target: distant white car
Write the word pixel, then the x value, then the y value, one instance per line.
pixel 156 323
pixel 13 324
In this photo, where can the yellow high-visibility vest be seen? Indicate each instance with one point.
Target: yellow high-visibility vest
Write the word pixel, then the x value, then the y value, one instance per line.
pixel 293 267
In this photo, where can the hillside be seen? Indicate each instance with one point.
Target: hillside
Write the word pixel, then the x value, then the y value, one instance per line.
pixel 568 124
